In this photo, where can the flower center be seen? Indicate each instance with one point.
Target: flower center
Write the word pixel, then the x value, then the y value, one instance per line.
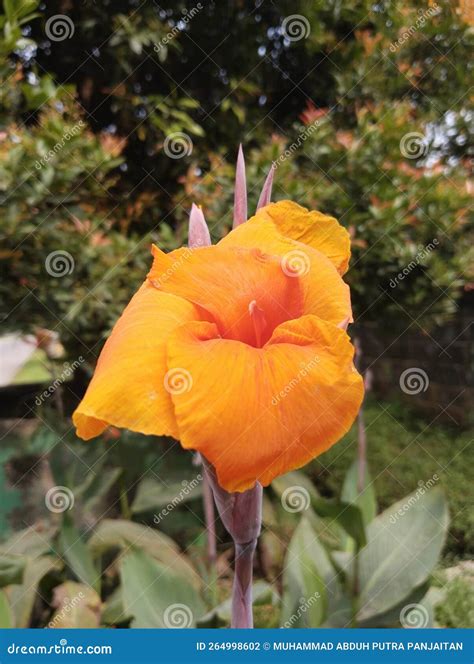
pixel 259 323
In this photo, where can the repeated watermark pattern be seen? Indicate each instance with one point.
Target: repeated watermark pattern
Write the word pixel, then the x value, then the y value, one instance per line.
pixel 178 145
pixel 188 488
pixel 419 257
pixel 188 15
pixel 65 374
pixel 59 27
pixel 178 381
pixel 414 616
pixel 178 616
pixel 414 381
pixel 295 263
pixel 295 27
pixel 58 146
pixel 295 499
pixel 306 369
pixel 59 263
pixel 413 145
pixel 423 16
pixel 296 145
pixel 305 603
pixel 59 499
pixel 423 487
pixel 69 604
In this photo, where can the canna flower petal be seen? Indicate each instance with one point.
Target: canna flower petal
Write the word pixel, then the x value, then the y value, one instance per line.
pixel 324 292
pixel 223 281
pixel 255 413
pixel 128 387
pixel 315 229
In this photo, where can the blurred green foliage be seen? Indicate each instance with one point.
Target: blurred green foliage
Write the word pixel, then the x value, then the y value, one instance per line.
pixel 86 120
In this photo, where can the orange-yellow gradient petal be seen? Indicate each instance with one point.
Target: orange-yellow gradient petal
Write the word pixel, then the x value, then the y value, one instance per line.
pixel 127 389
pixel 324 292
pixel 255 413
pixel 313 228
pixel 224 281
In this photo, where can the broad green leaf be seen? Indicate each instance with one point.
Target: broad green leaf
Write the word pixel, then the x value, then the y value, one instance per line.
pixel 348 516
pixel 122 534
pixel 262 593
pixel 78 556
pixel 365 499
pixel 304 592
pixel 31 542
pixel 404 544
pixel 6 614
pixel 391 618
pixel 155 596
pixel 113 612
pixel 153 495
pixel 303 487
pixel 77 606
pixel 11 569
pixel 22 598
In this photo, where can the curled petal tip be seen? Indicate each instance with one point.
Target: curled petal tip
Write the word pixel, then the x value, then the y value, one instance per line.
pixel 344 323
pixel 266 194
pixel 198 235
pixel 240 195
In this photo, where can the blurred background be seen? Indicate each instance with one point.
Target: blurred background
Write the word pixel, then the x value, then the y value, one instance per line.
pixel 115 118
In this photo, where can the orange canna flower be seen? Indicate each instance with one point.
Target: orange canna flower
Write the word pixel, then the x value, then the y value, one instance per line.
pixel 238 350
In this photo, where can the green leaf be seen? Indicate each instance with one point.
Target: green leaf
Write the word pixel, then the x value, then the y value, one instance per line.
pixel 365 499
pixel 78 556
pixel 155 596
pixel 6 614
pixel 23 597
pixel 348 516
pixel 219 616
pixel 11 569
pixel 304 592
pixel 113 612
pixel 121 534
pixel 404 544
pixel 153 495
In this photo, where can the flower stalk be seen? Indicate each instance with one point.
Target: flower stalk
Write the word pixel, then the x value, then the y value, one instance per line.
pixel 241 514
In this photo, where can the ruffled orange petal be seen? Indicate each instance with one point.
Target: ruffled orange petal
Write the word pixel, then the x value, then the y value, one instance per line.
pixel 313 228
pixel 225 282
pixel 256 413
pixel 324 292
pixel 128 387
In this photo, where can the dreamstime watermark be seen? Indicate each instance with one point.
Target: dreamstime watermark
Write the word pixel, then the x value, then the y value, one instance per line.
pixel 295 499
pixel 305 370
pixel 295 146
pixel 188 15
pixel 305 603
pixel 419 257
pixel 414 616
pixel 178 381
pixel 59 499
pixel 66 373
pixel 295 27
pixel 295 263
pixel 184 255
pixel 59 263
pixel 414 381
pixel 178 145
pixel 423 16
pixel 61 648
pixel 423 487
pixel 178 616
pixel 188 488
pixel 68 605
pixel 58 146
pixel 413 145
pixel 59 27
